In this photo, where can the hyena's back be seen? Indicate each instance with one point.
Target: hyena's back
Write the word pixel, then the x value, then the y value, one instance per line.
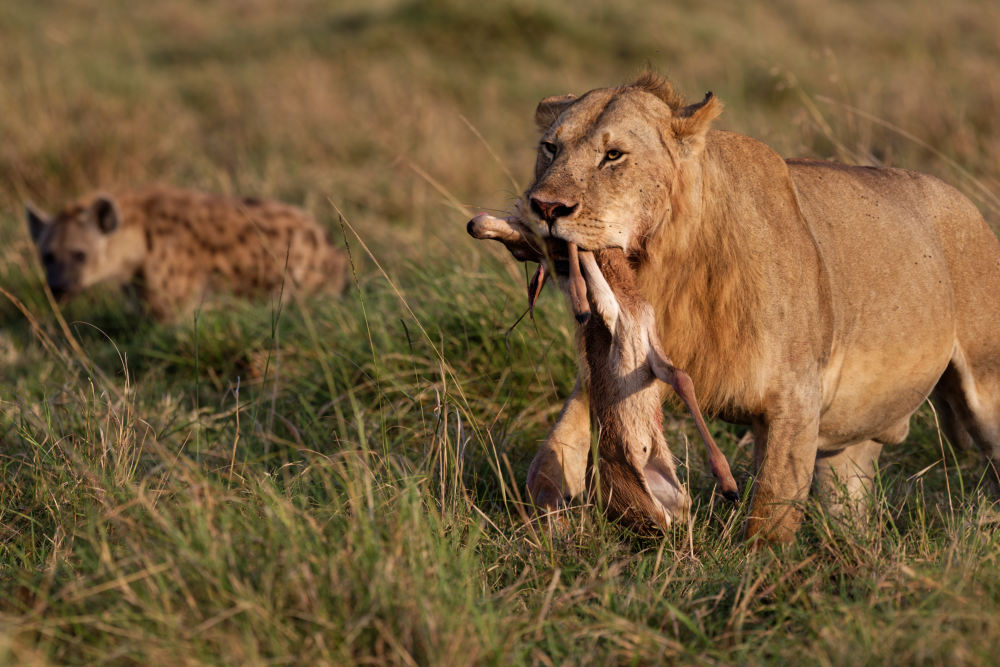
pixel 175 244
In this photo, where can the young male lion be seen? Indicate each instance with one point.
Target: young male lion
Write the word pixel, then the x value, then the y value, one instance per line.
pixel 175 244
pixel 817 302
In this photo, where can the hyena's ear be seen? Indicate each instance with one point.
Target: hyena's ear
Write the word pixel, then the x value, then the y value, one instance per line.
pixel 37 221
pixel 550 109
pixel 692 122
pixel 105 214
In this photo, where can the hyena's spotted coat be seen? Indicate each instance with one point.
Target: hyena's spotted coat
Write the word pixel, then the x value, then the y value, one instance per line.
pixel 175 244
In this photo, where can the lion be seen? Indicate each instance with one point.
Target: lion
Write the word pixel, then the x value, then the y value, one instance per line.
pixel 819 303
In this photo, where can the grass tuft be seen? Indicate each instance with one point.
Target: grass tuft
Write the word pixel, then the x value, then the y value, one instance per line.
pixel 340 481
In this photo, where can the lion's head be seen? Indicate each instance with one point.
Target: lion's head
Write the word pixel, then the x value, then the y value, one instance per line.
pixel 609 162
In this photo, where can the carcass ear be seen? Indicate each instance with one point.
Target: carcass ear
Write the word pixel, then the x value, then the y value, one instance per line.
pixel 550 109
pixel 37 221
pixel 605 301
pixel 105 214
pixel 691 123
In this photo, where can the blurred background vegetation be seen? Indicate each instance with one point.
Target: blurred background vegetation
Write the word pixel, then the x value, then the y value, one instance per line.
pixel 338 481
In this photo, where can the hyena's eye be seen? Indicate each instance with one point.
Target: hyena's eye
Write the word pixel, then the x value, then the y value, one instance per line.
pixel 549 149
pixel 78 256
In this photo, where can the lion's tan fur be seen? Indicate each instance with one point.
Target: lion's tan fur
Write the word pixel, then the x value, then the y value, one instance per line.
pixel 715 292
pixel 717 283
pixel 819 303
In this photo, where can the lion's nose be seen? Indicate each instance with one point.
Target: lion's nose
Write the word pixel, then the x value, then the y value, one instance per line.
pixel 550 211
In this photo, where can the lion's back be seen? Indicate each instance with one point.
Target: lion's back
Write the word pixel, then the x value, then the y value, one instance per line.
pixel 882 217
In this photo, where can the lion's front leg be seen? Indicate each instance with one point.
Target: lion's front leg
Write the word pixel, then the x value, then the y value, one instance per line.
pixel 558 471
pixel 785 453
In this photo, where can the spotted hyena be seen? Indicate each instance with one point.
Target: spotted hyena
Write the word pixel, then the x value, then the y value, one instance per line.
pixel 174 244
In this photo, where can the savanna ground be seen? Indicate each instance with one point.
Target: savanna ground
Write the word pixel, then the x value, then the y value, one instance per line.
pixel 340 481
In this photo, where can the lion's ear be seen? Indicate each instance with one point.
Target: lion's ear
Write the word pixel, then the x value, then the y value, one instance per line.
pixel 692 122
pixel 550 109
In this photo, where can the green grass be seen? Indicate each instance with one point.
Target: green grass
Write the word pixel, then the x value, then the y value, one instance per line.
pixel 341 480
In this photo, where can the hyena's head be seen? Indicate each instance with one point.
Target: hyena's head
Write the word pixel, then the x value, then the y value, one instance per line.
pixel 74 244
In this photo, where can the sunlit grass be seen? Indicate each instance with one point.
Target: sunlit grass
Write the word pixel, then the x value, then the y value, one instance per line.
pixel 341 480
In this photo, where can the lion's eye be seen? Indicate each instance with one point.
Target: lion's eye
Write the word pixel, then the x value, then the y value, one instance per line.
pixel 613 155
pixel 549 149
pixel 79 257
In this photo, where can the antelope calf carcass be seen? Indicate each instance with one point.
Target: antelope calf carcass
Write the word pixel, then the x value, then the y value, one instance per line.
pixel 637 477
pixel 621 362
